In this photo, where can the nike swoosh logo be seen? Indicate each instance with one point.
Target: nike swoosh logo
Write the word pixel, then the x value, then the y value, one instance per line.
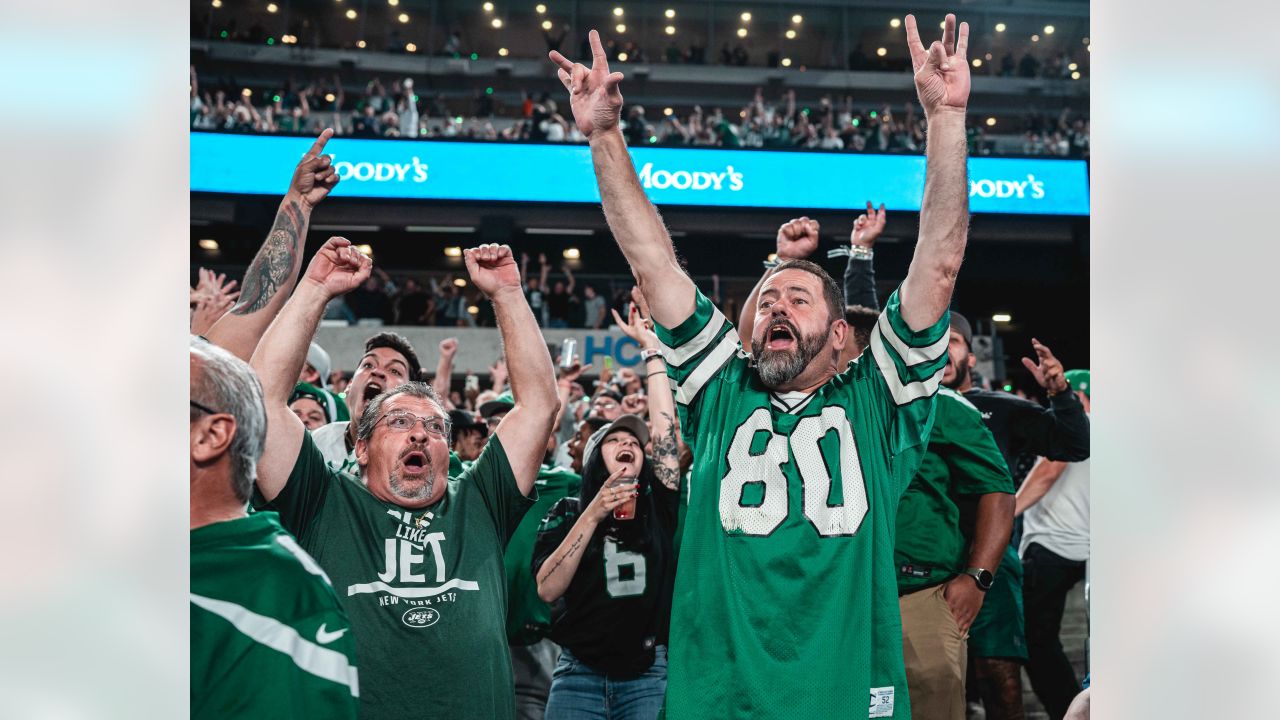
pixel 324 638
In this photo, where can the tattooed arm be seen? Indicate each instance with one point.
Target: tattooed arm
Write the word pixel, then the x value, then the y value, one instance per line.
pixel 662 404
pixel 274 270
pixel 558 569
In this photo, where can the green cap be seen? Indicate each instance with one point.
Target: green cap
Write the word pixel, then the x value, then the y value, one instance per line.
pixel 1079 381
pixel 505 401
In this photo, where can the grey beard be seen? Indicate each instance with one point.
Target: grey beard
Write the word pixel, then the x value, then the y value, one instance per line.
pixel 421 492
pixel 778 367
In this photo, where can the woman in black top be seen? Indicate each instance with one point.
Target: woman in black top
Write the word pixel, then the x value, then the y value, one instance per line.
pixel 609 580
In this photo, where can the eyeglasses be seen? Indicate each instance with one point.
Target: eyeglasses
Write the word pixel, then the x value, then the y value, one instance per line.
pixel 204 408
pixel 602 403
pixel 405 421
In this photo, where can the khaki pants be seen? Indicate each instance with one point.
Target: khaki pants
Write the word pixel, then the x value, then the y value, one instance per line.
pixel 935 652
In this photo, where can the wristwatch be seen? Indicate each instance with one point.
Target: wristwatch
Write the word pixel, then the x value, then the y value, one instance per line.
pixel 984 578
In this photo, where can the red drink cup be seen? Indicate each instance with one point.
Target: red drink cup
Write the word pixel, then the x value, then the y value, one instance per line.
pixel 627 510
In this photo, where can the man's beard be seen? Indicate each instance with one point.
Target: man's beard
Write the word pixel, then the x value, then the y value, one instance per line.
pixel 778 367
pixel 413 490
pixel 962 373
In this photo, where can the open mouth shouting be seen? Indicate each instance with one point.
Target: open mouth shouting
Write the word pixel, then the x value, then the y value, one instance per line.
pixel 372 389
pixel 781 336
pixel 415 462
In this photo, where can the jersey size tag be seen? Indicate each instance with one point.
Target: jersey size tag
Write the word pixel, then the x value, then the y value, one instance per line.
pixel 916 571
pixel 881 702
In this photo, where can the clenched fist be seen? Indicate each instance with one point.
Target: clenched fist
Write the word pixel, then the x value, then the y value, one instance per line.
pixel 797 238
pixel 492 268
pixel 338 267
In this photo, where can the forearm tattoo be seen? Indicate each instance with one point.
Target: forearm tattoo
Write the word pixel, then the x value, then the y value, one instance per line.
pixel 666 455
pixel 573 550
pixel 271 267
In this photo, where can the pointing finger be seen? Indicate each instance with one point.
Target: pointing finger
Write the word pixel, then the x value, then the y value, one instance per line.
pixel 949 34
pixel 561 60
pixel 318 146
pixel 598 58
pixel 962 44
pixel 914 46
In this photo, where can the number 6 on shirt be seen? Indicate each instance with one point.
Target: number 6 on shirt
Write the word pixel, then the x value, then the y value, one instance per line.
pixel 766 467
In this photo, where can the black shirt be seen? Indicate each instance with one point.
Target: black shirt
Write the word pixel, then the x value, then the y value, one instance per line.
pixel 1058 432
pixel 618 605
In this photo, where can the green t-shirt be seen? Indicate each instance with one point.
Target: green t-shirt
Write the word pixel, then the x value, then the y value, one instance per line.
pixel 425 588
pixel 269 637
pixel 962 459
pixel 786 598
pixel 528 618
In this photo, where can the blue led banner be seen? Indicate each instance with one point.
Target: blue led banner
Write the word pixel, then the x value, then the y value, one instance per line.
pixel 427 170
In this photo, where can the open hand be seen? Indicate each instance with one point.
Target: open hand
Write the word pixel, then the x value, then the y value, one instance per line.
pixel 338 267
pixel 941 70
pixel 492 268
pixel 868 226
pixel 637 326
pixel 315 176
pixel 593 94
pixel 1046 369
pixel 798 238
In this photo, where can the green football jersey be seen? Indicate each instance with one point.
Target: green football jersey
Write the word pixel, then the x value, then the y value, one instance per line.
pixel 786 602
pixel 425 588
pixel 961 460
pixel 528 618
pixel 269 637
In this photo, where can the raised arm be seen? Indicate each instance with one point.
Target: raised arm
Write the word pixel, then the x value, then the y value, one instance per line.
pixel 634 221
pixel 662 403
pixel 336 269
pixel 444 368
pixel 942 84
pixel 797 240
pixel 557 571
pixel 524 430
pixel 274 270
pixel 859 272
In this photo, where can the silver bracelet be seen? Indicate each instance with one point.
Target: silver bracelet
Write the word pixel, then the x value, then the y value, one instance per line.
pixel 858 252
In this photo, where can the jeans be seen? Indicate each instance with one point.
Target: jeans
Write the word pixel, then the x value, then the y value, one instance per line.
pixel 1047 578
pixel 577 691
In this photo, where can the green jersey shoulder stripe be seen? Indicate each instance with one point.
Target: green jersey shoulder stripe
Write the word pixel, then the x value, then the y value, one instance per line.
pixel 308 563
pixel 687 389
pixel 678 356
pixel 308 656
pixel 948 392
pixel 910 354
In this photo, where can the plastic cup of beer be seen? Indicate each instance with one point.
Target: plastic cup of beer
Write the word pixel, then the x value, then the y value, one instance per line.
pixel 627 510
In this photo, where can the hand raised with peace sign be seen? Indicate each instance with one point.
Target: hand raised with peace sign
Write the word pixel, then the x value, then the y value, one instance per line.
pixel 942 70
pixel 593 93
pixel 315 176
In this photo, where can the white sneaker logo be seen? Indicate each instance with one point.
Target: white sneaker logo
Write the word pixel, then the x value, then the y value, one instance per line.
pixel 324 638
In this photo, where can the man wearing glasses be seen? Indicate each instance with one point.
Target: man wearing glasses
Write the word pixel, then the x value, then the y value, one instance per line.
pixel 416 555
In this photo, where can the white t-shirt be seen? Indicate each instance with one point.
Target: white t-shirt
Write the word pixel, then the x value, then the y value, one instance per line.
pixel 1060 521
pixel 331 439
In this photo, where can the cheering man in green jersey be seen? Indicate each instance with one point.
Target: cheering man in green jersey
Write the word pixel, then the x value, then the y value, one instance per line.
pixel 269 637
pixel 786 595
pixel 415 554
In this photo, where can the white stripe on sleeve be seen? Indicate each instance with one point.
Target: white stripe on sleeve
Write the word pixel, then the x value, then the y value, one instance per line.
pixel 911 355
pixel 683 354
pixel 902 393
pixel 710 365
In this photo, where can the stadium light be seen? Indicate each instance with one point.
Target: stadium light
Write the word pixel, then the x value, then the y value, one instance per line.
pixel 1048 29
pixel 977 62
pixel 617 12
pixel 453 251
pixel 366 250
pixel 746 17
pixel 496 23
pixel 895 23
pixel 1002 318
pixel 546 24
pixel 503 52
pixel 1001 27
pixel 351 14
pixel 208 244
pixel 668 112
pixel 1035 38
pixel 572 253
pixel 1073 66
pixel 460 282
pixel 360 44
pixel 881 52
pixel 1084 41
pixel 488 7
pixel 410 47
pixel 620 27
pixel 246 92
pixel 541 9
pixel 786 62
pixel 273 8
pixel 791 34
pixel 942 25
pixel 670 29
pixel 622 57
pixel 1075 75
pixel 403 17
pixel 991 122
pixel 797 19
pixel 217 3
pixel 393 3
pixel 472 309
pixel 329 97
pixel 670 13
pixel 742 32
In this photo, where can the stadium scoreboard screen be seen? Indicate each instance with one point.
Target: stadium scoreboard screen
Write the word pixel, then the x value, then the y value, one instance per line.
pixel 505 172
